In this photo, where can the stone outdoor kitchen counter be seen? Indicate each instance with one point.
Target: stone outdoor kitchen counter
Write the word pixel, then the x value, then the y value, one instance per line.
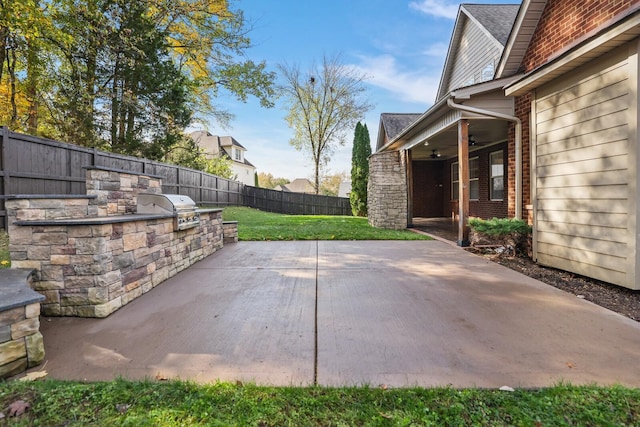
pixel 94 253
pixel 107 220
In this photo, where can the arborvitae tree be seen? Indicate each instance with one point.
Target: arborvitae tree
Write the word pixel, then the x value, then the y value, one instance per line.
pixel 255 177
pixel 360 170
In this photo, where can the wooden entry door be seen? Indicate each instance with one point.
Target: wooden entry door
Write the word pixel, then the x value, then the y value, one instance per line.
pixel 428 189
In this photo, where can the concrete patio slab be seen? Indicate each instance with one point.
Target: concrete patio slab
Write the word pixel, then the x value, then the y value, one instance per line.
pixel 397 313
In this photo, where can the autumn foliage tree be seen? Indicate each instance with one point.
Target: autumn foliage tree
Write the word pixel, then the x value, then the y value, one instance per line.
pixel 267 180
pixel 122 75
pixel 360 170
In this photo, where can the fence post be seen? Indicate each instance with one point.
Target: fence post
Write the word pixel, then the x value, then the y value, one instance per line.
pixel 6 175
pixel 201 185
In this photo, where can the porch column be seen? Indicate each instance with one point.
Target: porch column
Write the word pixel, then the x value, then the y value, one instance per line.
pixel 409 168
pixel 463 182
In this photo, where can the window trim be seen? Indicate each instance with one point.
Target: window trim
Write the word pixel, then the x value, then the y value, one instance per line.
pixel 455 183
pixel 476 179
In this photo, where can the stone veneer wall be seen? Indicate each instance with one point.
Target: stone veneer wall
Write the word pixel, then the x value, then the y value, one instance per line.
pixel 21 344
pixel 116 192
pixel 93 270
pixel 387 190
pixel 230 232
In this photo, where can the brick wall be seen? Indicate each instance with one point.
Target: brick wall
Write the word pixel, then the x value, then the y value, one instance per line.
pixel 523 112
pixel 387 190
pixel 561 24
pixel 564 21
pixel 484 207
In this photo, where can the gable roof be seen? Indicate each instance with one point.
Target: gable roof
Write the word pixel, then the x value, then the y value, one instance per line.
pixel 391 124
pixel 215 145
pixel 394 123
pixel 226 141
pixel 497 19
pixel 494 20
pixel 225 152
pixel 300 185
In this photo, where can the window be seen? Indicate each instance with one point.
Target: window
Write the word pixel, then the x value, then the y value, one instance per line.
pixel 474 180
pixel 496 168
pixel 455 181
pixel 487 72
pixel 237 154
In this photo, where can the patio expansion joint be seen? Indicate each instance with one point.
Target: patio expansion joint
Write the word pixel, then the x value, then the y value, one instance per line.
pixel 315 320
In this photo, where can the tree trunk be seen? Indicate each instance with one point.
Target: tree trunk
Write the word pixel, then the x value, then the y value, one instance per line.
pixel 115 106
pixel 4 34
pixel 11 68
pixel 316 183
pixel 32 87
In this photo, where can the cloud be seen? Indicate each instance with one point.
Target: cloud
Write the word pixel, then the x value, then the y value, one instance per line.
pixel 419 86
pixel 438 8
pixel 438 50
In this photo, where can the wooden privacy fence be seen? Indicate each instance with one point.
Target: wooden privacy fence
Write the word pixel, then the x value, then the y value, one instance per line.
pixel 295 203
pixel 33 165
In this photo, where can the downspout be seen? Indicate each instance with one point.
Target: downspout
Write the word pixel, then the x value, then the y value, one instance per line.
pixel 518 142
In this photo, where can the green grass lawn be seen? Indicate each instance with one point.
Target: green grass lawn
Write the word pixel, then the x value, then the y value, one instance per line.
pixel 124 403
pixel 257 225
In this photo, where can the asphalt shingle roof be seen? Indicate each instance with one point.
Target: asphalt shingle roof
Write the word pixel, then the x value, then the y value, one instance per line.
pixel 498 19
pixel 394 123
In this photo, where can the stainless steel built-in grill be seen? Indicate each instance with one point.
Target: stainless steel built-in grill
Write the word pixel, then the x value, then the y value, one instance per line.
pixel 183 208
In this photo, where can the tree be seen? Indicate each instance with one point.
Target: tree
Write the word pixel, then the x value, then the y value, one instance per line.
pixel 323 103
pixel 122 75
pixel 330 185
pixel 24 56
pixel 360 170
pixel 187 153
pixel 267 180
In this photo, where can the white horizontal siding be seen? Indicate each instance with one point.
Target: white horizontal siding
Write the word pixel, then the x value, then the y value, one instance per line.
pixel 582 170
pixel 475 51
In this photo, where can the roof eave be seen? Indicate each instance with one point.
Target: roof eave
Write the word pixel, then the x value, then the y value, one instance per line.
pixel 457 29
pixel 461 94
pixel 617 33
pixel 530 11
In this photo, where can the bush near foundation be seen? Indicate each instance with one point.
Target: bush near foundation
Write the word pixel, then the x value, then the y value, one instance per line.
pixel 509 234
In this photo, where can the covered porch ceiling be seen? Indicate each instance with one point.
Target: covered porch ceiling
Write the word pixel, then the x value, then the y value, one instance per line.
pixel 437 128
pixel 482 133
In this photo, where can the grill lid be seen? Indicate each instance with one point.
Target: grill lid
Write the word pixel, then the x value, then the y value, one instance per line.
pixel 164 203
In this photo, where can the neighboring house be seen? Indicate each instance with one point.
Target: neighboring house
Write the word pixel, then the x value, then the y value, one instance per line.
pixel 552 137
pixel 298 185
pixel 227 146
